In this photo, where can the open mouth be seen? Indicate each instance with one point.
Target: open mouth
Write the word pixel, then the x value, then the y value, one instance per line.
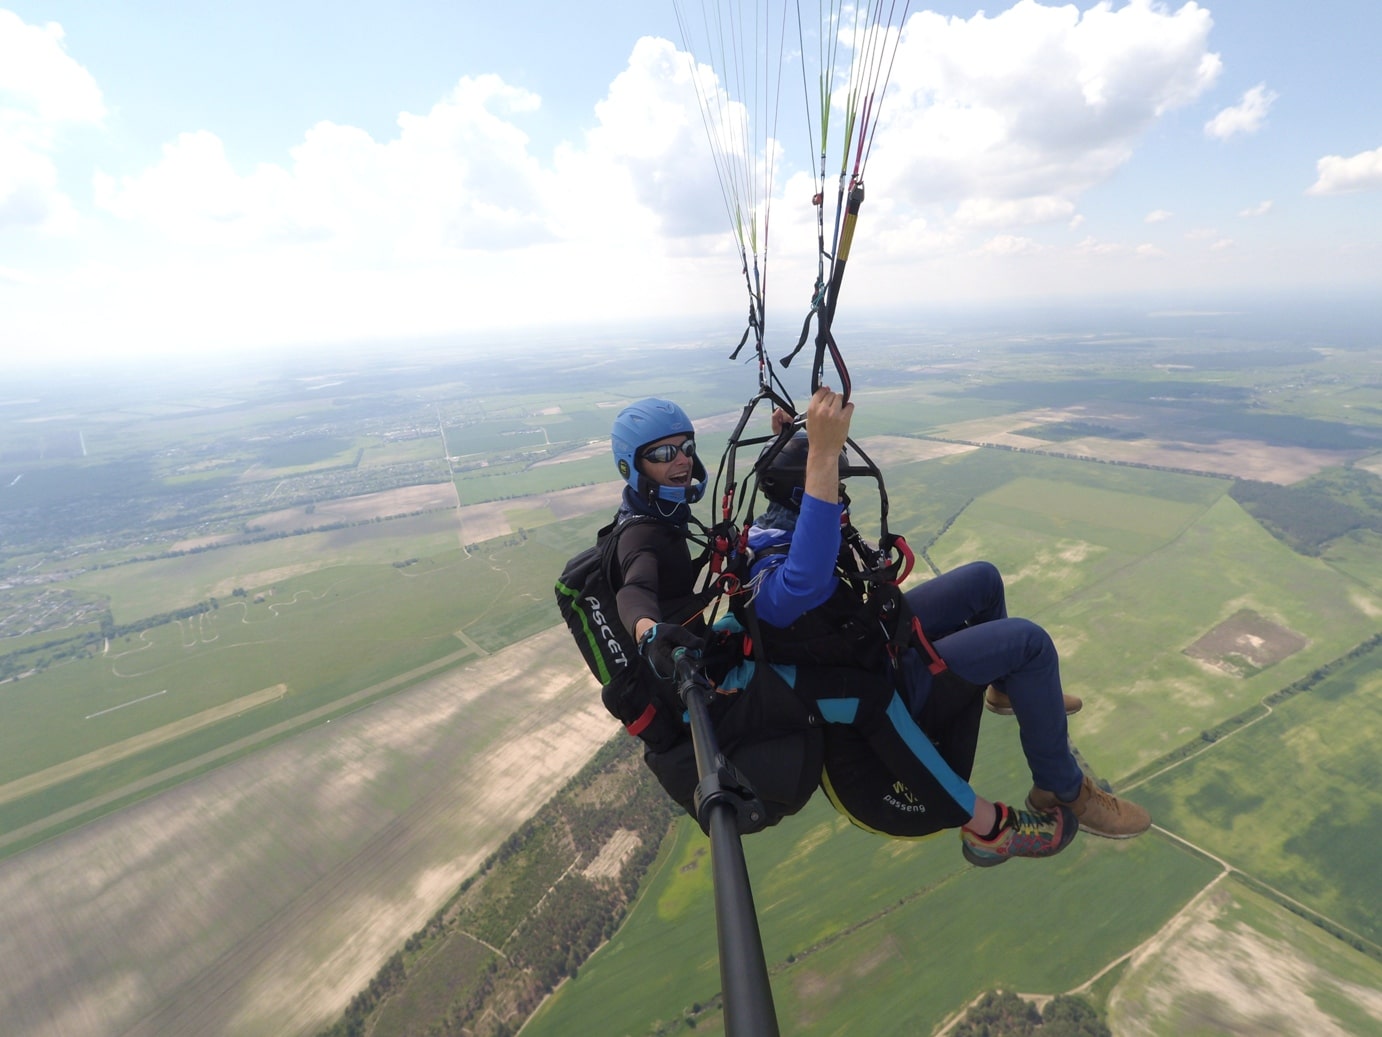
pixel 680 478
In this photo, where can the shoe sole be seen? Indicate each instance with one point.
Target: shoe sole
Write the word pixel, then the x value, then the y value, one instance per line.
pixel 981 862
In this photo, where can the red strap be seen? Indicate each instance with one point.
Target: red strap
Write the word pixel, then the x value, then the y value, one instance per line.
pixel 644 719
pixel 937 664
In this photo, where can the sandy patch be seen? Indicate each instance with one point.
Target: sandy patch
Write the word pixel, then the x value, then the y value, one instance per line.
pixel 609 862
pixel 1246 641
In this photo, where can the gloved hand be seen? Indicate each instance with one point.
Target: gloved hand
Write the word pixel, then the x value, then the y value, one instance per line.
pixel 661 642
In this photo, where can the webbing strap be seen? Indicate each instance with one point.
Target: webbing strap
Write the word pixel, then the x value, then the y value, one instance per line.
pixel 937 665
pixel 644 719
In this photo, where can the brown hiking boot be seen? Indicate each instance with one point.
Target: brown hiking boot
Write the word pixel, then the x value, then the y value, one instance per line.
pixel 997 702
pixel 1100 813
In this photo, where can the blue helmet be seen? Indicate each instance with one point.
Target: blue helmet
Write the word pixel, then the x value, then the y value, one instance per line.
pixel 646 422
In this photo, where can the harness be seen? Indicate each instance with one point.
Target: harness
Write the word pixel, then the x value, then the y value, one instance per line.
pixel 865 623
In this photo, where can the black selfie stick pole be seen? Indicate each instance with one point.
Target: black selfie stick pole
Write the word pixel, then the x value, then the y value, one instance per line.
pixel 725 805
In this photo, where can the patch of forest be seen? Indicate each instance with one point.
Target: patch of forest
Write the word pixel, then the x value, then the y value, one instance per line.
pixel 532 914
pixel 1307 515
pixel 1004 1014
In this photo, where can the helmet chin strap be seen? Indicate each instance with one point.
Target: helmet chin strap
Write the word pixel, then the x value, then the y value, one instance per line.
pixel 654 499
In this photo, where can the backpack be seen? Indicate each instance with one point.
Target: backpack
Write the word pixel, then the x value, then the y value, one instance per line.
pixel 646 705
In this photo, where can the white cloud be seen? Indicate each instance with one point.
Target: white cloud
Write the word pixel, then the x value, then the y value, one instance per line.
pixel 1245 117
pixel 1009 245
pixel 458 178
pixel 1260 209
pixel 42 91
pixel 1036 102
pixel 1157 216
pixel 38 77
pixel 1339 175
pixel 1149 251
pixel 1012 212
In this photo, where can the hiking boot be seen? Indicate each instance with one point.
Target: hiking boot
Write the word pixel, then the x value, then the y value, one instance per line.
pixel 1100 813
pixel 996 701
pixel 1022 834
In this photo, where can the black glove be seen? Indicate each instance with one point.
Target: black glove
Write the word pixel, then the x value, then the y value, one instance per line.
pixel 660 643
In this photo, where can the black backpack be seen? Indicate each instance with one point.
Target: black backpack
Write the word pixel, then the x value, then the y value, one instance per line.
pixel 646 705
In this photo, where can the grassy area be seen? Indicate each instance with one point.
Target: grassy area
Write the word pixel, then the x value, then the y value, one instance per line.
pixel 1127 567
pixel 864 935
pixel 1233 800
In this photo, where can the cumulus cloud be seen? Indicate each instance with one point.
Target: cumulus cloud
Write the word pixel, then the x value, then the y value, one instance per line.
pixel 1245 117
pixel 457 178
pixel 1338 175
pixel 1035 102
pixel 1157 216
pixel 651 130
pixel 42 93
pixel 1260 209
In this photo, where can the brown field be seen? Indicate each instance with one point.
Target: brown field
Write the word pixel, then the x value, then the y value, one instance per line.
pixel 1240 458
pixel 486 521
pixel 1246 637
pixel 390 503
pixel 886 450
pixel 260 898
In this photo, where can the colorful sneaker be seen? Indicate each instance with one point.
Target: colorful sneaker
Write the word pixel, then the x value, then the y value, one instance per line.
pixel 997 702
pixel 1022 834
pixel 1100 813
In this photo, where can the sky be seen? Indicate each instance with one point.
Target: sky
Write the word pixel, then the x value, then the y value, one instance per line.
pixel 178 178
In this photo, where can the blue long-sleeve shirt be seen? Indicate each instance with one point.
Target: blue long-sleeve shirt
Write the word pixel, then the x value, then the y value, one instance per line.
pixel 787 585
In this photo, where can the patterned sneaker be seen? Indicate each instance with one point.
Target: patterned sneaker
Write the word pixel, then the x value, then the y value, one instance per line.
pixel 1022 834
pixel 1099 812
pixel 997 702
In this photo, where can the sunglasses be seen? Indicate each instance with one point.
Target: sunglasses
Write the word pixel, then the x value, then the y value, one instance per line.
pixel 665 452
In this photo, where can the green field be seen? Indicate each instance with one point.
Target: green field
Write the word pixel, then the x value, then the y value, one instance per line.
pixel 1129 567
pixel 870 936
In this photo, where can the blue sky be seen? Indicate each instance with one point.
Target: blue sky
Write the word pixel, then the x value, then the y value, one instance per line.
pixel 175 177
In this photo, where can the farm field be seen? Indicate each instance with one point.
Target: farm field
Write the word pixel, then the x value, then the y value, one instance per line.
pixel 908 934
pixel 258 897
pixel 336 567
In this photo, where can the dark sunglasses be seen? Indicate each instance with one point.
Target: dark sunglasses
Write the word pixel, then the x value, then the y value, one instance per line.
pixel 664 452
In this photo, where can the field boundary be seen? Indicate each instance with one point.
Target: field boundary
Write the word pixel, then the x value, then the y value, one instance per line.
pixel 97 758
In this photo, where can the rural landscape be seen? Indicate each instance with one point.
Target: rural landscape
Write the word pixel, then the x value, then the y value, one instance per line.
pixel 292 741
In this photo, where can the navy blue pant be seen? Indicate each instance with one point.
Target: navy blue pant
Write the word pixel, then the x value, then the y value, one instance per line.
pixel 964 613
